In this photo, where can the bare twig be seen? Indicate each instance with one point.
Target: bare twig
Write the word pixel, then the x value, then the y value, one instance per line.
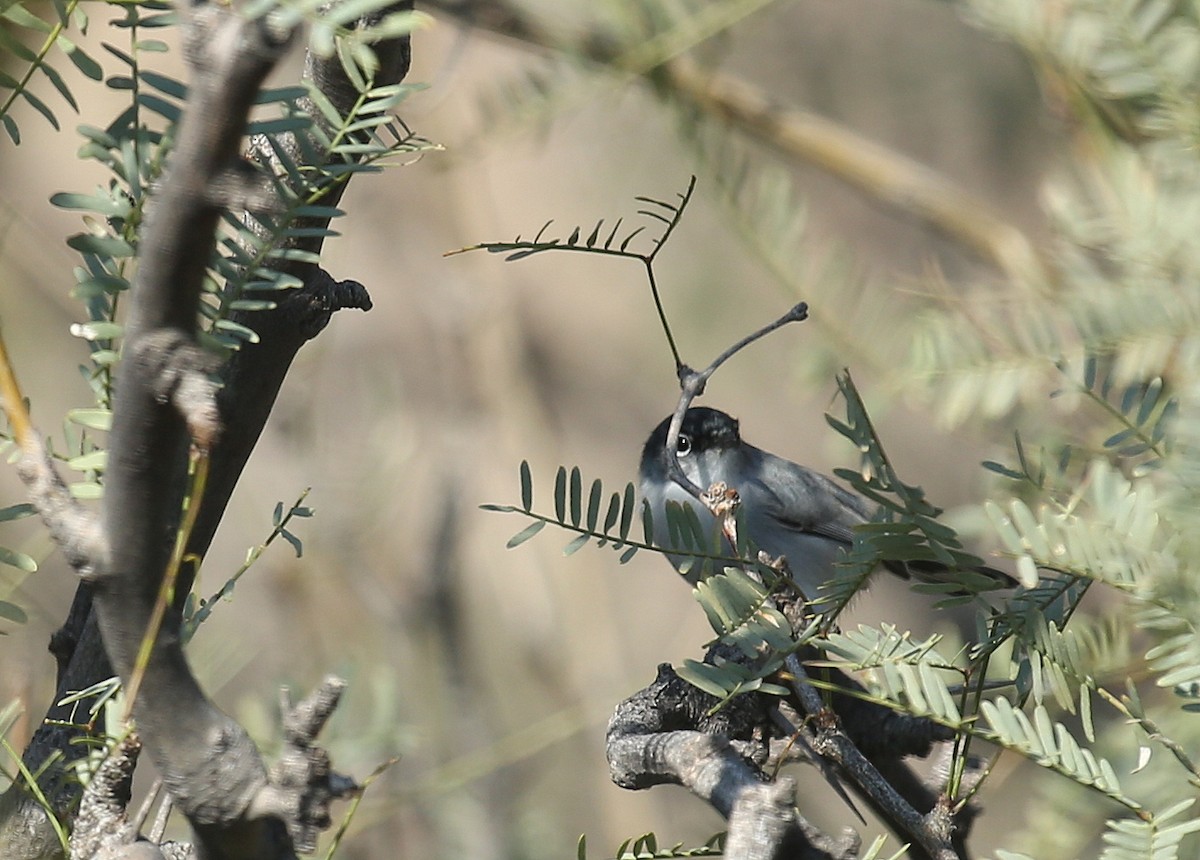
pixel 302 783
pixel 692 384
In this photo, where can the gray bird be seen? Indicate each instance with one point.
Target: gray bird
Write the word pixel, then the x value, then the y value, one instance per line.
pixel 786 509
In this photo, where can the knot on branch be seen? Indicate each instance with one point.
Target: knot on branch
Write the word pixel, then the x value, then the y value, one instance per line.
pixel 302 785
pixel 180 371
pixel 102 825
pixel 638 755
pixel 219 783
pixel 321 296
pixel 648 745
pixel 671 732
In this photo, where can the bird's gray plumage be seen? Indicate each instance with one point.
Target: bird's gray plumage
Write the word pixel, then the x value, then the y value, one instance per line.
pixel 787 509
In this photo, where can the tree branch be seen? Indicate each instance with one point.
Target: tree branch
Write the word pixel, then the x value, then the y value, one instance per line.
pixel 102 827
pixel 228 60
pixel 209 764
pixel 668 733
pixel 647 744
pixel 900 183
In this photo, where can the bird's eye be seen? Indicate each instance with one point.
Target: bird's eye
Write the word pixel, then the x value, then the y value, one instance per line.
pixel 684 446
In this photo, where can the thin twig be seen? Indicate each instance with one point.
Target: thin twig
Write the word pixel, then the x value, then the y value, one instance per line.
pixel 692 384
pixel 659 244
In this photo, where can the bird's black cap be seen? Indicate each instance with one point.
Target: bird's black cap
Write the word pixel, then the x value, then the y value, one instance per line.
pixel 706 428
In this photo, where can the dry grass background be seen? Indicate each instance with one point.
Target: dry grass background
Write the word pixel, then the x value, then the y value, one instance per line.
pixel 492 673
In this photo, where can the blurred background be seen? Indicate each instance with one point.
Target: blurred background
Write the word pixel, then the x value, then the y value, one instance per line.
pixel 491 673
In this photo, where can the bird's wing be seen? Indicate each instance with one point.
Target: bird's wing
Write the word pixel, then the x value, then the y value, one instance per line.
pixel 797 499
pixel 802 500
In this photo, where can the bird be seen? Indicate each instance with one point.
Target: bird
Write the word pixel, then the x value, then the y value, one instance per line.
pixel 786 509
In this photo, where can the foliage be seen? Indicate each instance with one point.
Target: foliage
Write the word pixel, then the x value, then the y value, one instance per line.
pixel 197 610
pixel 19 22
pixel 599 240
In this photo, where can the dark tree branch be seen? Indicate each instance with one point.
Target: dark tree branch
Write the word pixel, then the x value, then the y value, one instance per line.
pixel 931 830
pixel 255 373
pixel 65 640
pixel 394 57
pixel 886 738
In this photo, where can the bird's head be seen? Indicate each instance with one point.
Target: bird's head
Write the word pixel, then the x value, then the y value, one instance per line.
pixel 707 440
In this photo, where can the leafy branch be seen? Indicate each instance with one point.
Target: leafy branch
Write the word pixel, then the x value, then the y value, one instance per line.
pixel 668 214
pixel 1130 706
pixel 54 37
pixel 197 611
pixel 573 514
pixel 904 528
pixel 336 147
pixel 1146 416
pixel 909 680
pixel 1051 745
pixel 739 606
